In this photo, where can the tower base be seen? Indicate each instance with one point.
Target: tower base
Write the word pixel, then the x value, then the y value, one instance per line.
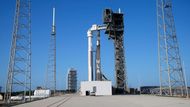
pixel 94 88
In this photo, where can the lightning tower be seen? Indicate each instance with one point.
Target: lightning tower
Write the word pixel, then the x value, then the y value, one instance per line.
pixel 19 69
pixel 51 67
pixel 172 80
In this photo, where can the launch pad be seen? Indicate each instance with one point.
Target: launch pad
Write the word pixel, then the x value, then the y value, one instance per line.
pixel 113 25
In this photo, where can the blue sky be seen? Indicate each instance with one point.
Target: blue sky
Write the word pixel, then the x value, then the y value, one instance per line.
pixel 74 17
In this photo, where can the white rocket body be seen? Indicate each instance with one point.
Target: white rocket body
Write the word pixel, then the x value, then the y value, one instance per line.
pixel 90 49
pixel 90 56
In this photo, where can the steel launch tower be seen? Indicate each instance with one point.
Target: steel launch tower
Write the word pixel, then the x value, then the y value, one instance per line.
pixel 172 80
pixel 19 69
pixel 115 30
pixel 51 67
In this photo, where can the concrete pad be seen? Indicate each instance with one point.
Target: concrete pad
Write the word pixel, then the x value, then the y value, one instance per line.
pixel 109 101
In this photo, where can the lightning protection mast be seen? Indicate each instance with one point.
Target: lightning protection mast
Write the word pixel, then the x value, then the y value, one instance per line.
pixel 172 82
pixel 51 67
pixel 19 69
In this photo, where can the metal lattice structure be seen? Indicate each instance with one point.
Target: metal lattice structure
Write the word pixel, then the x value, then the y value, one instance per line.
pixel 72 80
pixel 51 67
pixel 115 30
pixel 120 62
pixel 19 69
pixel 172 80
